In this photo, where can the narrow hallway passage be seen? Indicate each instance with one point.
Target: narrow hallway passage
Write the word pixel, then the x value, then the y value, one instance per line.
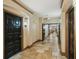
pixel 38 29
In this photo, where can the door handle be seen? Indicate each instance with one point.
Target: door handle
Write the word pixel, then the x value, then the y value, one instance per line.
pixel 20 36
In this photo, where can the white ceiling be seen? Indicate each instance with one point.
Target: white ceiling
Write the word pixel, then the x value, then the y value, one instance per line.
pixel 49 8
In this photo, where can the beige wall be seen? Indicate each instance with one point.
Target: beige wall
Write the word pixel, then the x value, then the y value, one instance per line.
pixel 32 32
pixel 35 29
pixel 63 32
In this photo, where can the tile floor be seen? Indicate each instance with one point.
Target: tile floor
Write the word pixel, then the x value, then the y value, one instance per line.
pixel 40 50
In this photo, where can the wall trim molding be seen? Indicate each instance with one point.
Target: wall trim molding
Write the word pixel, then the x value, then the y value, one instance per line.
pixel 61 3
pixel 63 54
pixel 29 46
pixel 22 5
pixel 6 10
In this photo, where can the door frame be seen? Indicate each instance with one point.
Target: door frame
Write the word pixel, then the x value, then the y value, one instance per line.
pixel 66 23
pixel 4 49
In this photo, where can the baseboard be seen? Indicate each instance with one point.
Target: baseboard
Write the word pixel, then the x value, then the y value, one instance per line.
pixel 63 54
pixel 32 44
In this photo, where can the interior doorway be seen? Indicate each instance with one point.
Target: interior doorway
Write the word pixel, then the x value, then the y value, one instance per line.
pixel 12 34
pixel 46 30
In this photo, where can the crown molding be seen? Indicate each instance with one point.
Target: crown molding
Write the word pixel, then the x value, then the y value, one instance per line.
pixel 22 5
pixel 62 3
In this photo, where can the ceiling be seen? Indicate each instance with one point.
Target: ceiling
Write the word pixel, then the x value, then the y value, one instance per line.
pixel 48 8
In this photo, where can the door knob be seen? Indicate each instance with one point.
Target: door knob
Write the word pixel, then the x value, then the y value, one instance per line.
pixel 20 36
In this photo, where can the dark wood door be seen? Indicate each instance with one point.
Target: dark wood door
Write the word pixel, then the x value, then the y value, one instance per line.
pixel 71 34
pixel 12 34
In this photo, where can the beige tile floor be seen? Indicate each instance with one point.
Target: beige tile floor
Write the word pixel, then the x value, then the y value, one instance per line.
pixel 38 51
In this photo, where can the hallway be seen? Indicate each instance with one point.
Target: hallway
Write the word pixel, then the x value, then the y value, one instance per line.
pixel 40 50
pixel 39 29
